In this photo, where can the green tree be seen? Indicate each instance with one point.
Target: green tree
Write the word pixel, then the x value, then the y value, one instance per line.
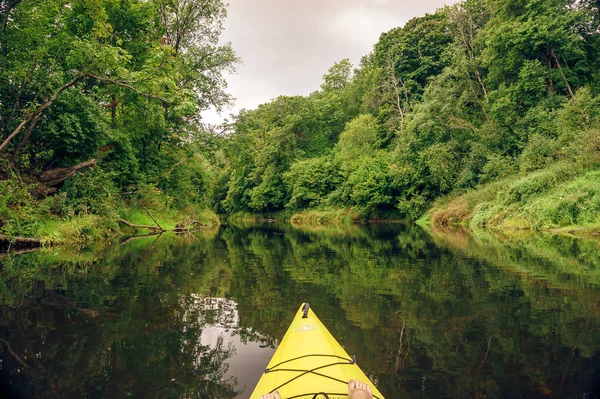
pixel 338 76
pixel 358 140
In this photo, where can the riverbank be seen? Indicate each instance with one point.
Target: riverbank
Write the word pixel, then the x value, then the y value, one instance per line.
pixel 84 230
pixel 343 216
pixel 26 220
pixel 563 198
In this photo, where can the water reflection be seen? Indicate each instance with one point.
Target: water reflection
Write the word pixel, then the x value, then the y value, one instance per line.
pixel 446 314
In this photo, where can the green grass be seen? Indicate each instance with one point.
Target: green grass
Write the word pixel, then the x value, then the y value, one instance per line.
pixel 169 218
pixel 166 219
pixel 247 217
pixel 326 217
pixel 86 229
pixel 80 230
pixel 561 196
pixel 573 203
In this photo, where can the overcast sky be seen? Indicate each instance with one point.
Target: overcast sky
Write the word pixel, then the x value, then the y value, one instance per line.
pixel 287 46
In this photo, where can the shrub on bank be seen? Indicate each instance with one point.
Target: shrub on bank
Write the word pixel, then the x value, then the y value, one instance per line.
pixel 559 196
pixel 328 216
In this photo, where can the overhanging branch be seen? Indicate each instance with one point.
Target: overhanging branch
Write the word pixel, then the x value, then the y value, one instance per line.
pixel 127 86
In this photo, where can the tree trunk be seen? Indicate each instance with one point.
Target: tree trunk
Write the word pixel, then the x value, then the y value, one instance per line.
pixel 26 136
pixel 113 113
pixel 54 177
pixel 20 240
pixel 562 73
pixel 35 115
pixel 139 226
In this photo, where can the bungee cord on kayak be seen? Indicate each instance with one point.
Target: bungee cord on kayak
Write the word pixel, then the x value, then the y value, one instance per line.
pixel 313 371
pixel 315 366
pixel 268 370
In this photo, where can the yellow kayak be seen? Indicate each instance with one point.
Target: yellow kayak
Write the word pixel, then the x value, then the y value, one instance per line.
pixel 309 362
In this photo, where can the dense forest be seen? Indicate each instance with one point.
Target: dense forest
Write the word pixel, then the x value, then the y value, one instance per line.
pixel 114 89
pixel 487 111
pixel 479 92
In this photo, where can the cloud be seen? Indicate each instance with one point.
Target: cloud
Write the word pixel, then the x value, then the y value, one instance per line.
pixel 361 26
pixel 288 45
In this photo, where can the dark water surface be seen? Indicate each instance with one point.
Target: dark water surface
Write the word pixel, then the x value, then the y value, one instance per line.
pixel 428 315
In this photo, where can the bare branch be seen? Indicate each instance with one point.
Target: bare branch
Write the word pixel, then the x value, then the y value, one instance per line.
pixel 562 73
pixel 175 166
pixel 127 86
pixel 152 217
pixel 20 240
pixel 34 116
pixel 138 226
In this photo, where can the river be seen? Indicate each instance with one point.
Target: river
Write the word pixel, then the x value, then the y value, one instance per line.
pixel 441 314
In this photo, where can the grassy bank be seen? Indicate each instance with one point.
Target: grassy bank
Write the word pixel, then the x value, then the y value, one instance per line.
pixel 343 216
pixel 60 219
pixel 563 197
pixel 326 217
pixel 83 230
pixel 247 217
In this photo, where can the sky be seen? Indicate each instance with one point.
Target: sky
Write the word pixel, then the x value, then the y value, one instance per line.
pixel 286 46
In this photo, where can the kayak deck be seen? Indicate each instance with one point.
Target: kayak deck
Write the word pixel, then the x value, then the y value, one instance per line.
pixel 309 361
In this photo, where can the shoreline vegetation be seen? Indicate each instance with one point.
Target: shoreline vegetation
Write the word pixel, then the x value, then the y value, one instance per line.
pixel 482 114
pixel 562 199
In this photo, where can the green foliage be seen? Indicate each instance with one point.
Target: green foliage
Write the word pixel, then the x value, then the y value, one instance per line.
pixel 119 81
pixel 496 167
pixel 368 185
pixel 415 52
pixel 190 181
pixel 440 163
pixel 269 194
pixel 338 76
pixel 578 115
pixel 311 181
pixel 90 192
pixel 472 94
pixel 539 153
pixel 73 132
pixel 20 213
pixel 358 140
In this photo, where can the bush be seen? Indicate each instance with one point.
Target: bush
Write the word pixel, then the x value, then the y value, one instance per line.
pixel 190 182
pixel 90 192
pixel 311 181
pixel 540 152
pixel 368 185
pixel 359 139
pixel 20 213
pixel 440 162
pixel 270 194
pixel 497 167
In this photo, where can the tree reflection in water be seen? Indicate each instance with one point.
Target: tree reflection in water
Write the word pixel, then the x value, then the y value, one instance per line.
pixel 443 315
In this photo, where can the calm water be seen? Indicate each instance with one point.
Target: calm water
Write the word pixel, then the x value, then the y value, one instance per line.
pixel 428 315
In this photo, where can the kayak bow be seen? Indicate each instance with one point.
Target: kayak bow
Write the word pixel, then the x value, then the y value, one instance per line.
pixel 309 363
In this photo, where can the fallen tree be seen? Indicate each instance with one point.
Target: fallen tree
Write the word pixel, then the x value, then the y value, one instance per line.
pixel 179 229
pixel 21 240
pixel 54 177
pixel 140 226
pixel 8 243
